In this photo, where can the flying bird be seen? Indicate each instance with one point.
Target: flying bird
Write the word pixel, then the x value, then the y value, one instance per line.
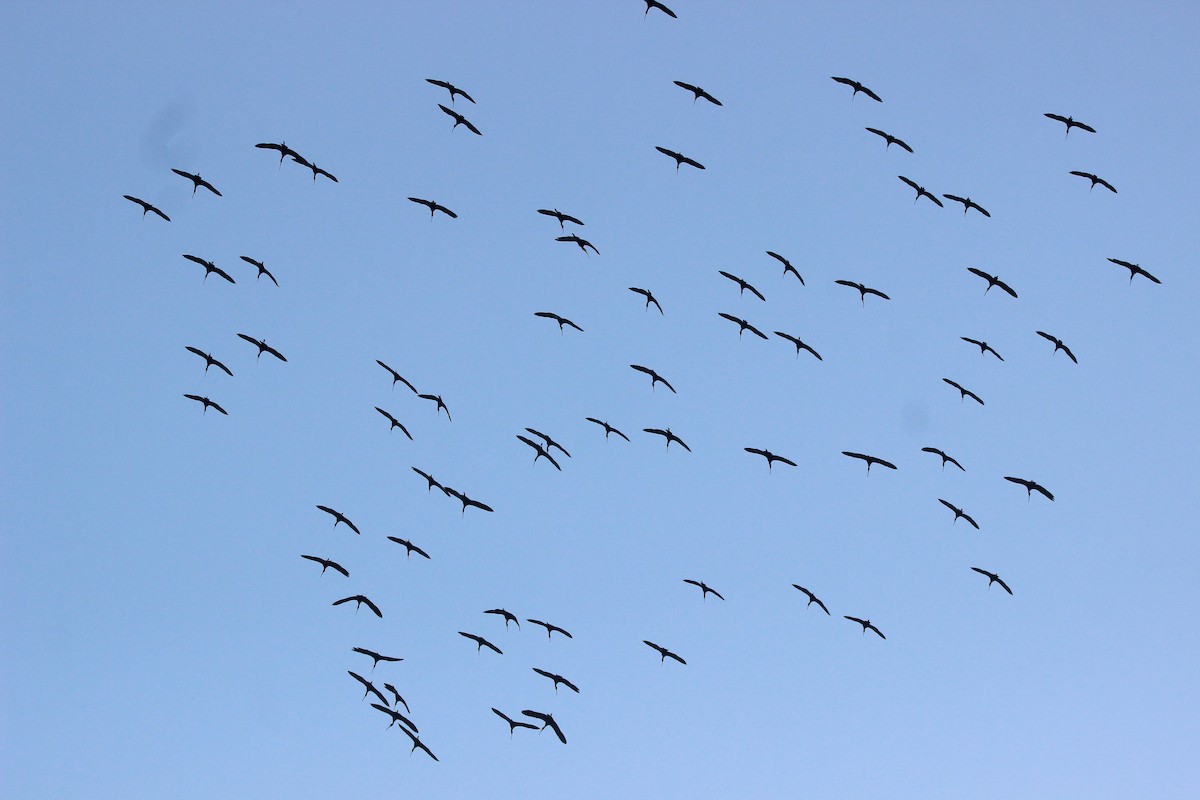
pixel 327 564
pixel 550 628
pixel 207 403
pixel 262 270
pixel 262 346
pixel 698 93
pixel 964 393
pixel 799 345
pixel 743 326
pixel 993 578
pixel 705 589
pixel 209 361
pixel 958 512
pixel 1094 179
pixel 584 244
pixel 663 652
pixel 395 715
pixel 943 456
pixel 670 437
pixel 396 376
pixel 787 266
pixel 209 268
pixel 434 207
pixel 375 659
pixel 147 207
pixel 284 150
pixel 398 700
pixel 432 481
pixel 508 616
pixel 560 216
pixel 992 280
pixel 607 428
pixel 1070 123
pixel 560 320
pixel 920 191
pixel 409 547
pixel 197 181
pixel 770 457
pixel 368 687
pixel 858 87
pixel 417 742
pixel 359 601
pixel 302 161
pixel 395 423
pixel 548 719
pixel 450 87
pixel 649 298
pixel 339 518
pixel 891 140
pixel 984 347
pixel 1134 269
pixel 869 459
pixel 1031 487
pixel 679 158
pixel 549 442
pixel 512 723
pixel 654 378
pixel 459 119
pixel 742 285
pixel 812 598
pixel 649 5
pixel 967 204
pixel 1058 345
pixel 866 623
pixel 466 501
pixel 540 451
pixel 863 291
pixel 441 405
pixel 557 680
pixel 480 642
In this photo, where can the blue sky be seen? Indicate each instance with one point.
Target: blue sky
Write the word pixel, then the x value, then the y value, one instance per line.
pixel 163 637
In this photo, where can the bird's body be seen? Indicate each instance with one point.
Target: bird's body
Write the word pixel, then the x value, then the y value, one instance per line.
pixel 146 207
pixel 649 297
pixel 197 181
pixel 799 345
pixel 670 437
pixel 863 291
pixel 209 268
pixel 964 393
pixel 697 93
pixel 434 207
pixel 209 361
pixel 743 285
pixel 409 547
pixel 993 578
pixel 557 318
pixel 663 652
pixel 359 602
pixel 607 428
pixel 207 403
pixel 992 280
pixel 858 87
pixel 1031 487
pixel 339 519
pixel 869 459
pixel 262 346
pixel 459 119
pixel 921 191
pixel 680 158
pixel 1058 345
pixel 891 140
pixel 812 598
pixel 944 457
pixel 967 204
pixel 743 325
pixel 327 564
pixel 958 512
pixel 866 624
pixel 787 266
pixel 705 589
pixel 1134 269
pixel 769 456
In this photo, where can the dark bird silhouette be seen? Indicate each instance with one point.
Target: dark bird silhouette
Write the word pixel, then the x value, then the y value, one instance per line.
pixel 680 158
pixel 284 150
pixel 869 459
pixel 262 346
pixel 209 361
pixel 459 119
pixel 441 405
pixel 557 680
pixel 512 723
pixel 368 687
pixel 396 376
pixel 262 270
pixel 302 161
pixel 654 378
pixel 197 181
pixel 376 658
pixel 548 719
pixel 866 623
pixel 967 204
pixel 1058 345
pixel 992 280
pixel 964 393
pixel 398 700
pixel 209 268
pixel 984 347
pixel 743 326
pixel 705 589
pixel 1134 269
pixel 698 93
pixel 409 547
pixel 787 266
pixel 649 297
pixel 663 652
pixel 450 87
pixel 742 285
pixel 584 244
pixel 943 456
pixel 607 428
pixel 480 642
pixel 891 140
pixel 434 207
pixel 769 456
pixel 812 598
pixel 466 501
pixel 359 601
pixel 540 451
pixel 550 628
pixel 1094 179
pixel 207 403
pixel 549 442
pixel 508 616
pixel 327 564
pixel 958 512
pixel 1031 487
pixel 560 320
pixel 920 191
pixel 339 517
pixel 560 216
pixel 146 207
pixel 799 345
pixel 858 87
pixel 993 578
pixel 670 437
pixel 395 715
pixel 649 5
pixel 416 742
pixel 432 481
pixel 863 291
pixel 1070 123
pixel 395 423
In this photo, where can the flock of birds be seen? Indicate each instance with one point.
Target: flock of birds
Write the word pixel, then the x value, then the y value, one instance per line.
pixel 544 446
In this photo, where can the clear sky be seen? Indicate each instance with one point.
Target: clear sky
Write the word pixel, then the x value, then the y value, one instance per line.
pixel 163 637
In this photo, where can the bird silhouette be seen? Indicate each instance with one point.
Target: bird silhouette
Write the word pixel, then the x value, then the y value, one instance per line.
pixel 649 298
pixel 434 207
pixel 649 5
pixel 209 361
pixel 943 456
pixel 1031 487
pixel 508 616
pixel 670 437
pixel 197 181
pixel 559 319
pixel 799 345
pixel 963 393
pixel 1134 269
pixel 705 589
pixel 416 742
pixel 920 191
pixel 432 481
pixel 958 512
pixel 395 423
pixel 327 564
pixel 441 405
pixel 207 403
pixel 560 216
pixel 450 87
pixel 993 578
pixel 396 376
pixel 812 598
pixel 548 719
pixel 550 443
pixel 409 547
pixel 262 270
pixel 262 346
pixel 557 680
pixel 459 119
pixel 1094 179
pixel 769 456
pixel 359 602
pixel 863 291
pixel 480 642
pixel 858 87
pixel 891 140
pixel 209 268
pixel 992 280
pixel 375 659
pixel 698 93
pixel 984 347
pixel 584 244
pixel 339 518
pixel 540 451
pixel 395 715
pixel 680 158
pixel 284 150
pixel 466 501
pixel 146 207
pixel 866 623
pixel 869 459
pixel 742 285
pixel 368 687
pixel 787 266
pixel 607 428
pixel 967 204
pixel 743 326
pixel 1070 123
pixel 512 723
pixel 304 162
pixel 1058 345
pixel 654 378
pixel 550 629
pixel 663 652
pixel 398 700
